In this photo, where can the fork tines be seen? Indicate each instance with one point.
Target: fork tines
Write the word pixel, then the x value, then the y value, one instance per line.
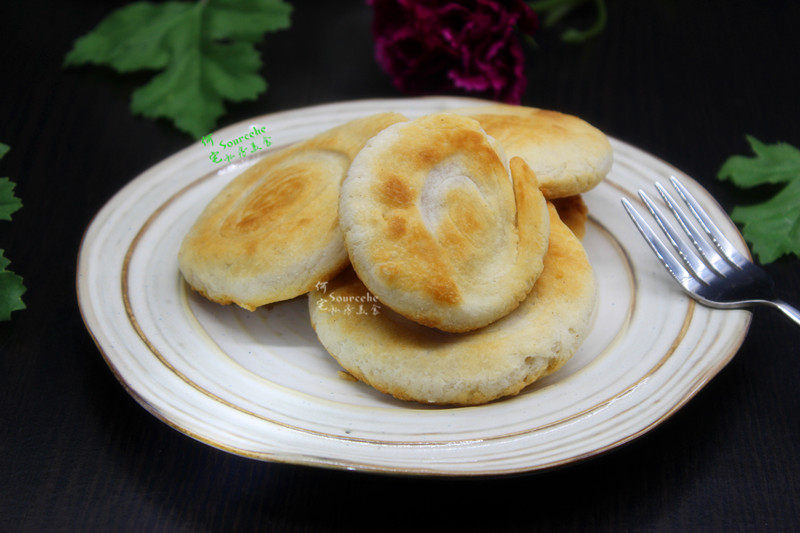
pixel 699 264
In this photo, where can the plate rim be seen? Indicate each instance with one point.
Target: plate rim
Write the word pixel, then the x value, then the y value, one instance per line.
pixel 337 464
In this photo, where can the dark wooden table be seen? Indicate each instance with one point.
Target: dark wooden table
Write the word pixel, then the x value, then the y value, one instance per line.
pixel 682 79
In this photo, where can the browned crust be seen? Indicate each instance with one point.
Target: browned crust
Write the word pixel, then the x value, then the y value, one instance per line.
pixel 329 275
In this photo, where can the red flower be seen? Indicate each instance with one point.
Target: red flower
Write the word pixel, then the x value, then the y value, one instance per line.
pixel 448 46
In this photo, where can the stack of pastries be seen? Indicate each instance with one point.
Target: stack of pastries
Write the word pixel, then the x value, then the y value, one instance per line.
pixel 458 231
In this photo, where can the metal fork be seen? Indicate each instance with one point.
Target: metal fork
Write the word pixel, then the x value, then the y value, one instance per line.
pixel 719 276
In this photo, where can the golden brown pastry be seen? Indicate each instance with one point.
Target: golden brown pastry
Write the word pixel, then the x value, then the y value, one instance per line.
pixel 412 362
pixel 273 233
pixel 436 227
pixel 574 213
pixel 568 155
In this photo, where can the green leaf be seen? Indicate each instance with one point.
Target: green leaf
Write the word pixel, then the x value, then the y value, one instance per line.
pixel 182 39
pixel 11 287
pixel 773 163
pixel 246 20
pixel 771 227
pixel 555 10
pixel 133 37
pixel 11 290
pixel 9 203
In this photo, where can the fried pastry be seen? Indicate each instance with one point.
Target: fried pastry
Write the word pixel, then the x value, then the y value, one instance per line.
pixel 412 362
pixel 573 212
pixel 272 233
pixel 568 155
pixel 440 227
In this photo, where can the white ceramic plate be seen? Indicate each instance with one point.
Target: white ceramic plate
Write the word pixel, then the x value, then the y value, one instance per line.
pixel 261 385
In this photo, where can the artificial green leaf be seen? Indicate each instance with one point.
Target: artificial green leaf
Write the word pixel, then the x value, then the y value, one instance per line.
pixel 225 71
pixel 11 287
pixel 182 38
pixel 9 203
pixel 11 290
pixel 773 163
pixel 246 20
pixel 771 227
pixel 133 37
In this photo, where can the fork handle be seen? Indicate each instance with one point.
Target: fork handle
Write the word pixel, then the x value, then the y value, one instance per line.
pixel 787 309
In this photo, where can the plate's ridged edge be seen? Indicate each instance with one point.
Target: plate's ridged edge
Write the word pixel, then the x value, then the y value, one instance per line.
pixel 333 463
